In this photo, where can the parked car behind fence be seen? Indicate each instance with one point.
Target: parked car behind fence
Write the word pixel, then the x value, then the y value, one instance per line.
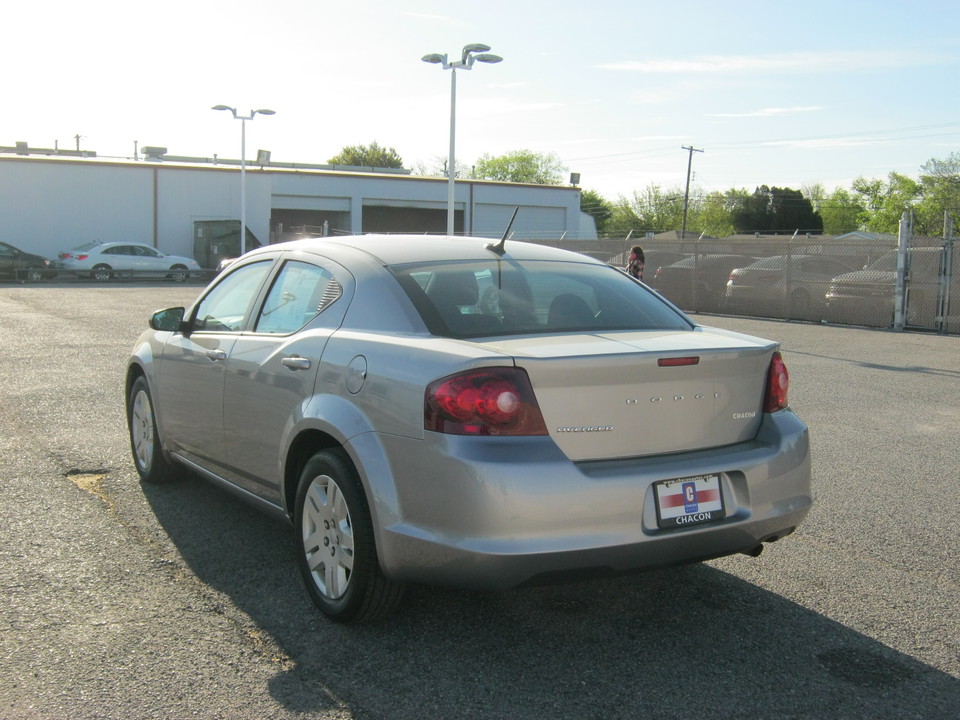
pixel 787 286
pixel 697 283
pixel 866 297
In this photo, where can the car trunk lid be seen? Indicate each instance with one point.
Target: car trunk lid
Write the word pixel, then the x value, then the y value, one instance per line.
pixel 630 394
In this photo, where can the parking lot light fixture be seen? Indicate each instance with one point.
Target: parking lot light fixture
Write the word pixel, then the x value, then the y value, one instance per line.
pixel 243 164
pixel 472 53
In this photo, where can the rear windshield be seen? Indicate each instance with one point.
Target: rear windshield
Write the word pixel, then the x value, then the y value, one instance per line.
pixel 504 297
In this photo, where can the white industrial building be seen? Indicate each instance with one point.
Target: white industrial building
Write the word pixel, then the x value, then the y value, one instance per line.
pixel 52 201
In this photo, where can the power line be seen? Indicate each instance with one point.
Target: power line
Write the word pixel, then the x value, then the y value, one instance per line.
pixel 652 153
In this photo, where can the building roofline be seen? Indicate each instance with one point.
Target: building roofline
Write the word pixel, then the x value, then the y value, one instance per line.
pixel 204 164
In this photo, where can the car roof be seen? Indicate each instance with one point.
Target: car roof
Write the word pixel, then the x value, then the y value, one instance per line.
pixel 402 249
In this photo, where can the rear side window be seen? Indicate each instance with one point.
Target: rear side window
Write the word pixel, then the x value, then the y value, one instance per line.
pixel 300 293
pixel 508 297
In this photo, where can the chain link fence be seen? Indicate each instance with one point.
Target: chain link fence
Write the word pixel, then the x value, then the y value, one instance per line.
pixel 853 282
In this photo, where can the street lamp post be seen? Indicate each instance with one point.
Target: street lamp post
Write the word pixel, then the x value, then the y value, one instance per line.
pixel 475 52
pixel 243 165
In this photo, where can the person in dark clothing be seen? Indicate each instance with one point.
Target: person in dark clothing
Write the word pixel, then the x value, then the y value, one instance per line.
pixel 635 263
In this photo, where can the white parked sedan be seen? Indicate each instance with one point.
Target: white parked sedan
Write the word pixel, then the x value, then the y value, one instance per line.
pixel 101 261
pixel 446 410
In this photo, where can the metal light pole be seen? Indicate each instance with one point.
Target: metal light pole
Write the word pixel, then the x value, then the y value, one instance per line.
pixel 471 53
pixel 243 165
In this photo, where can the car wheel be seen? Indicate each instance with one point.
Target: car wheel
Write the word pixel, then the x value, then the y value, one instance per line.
pixel 148 456
pixel 33 274
pixel 334 542
pixel 178 273
pixel 101 273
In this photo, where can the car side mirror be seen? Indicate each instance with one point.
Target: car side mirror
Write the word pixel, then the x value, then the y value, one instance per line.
pixel 169 320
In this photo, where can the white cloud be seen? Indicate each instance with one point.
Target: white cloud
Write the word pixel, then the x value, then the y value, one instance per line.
pixel 769 112
pixel 820 143
pixel 444 19
pixel 804 62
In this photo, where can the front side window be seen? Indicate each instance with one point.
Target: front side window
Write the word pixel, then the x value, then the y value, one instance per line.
pixel 226 305
pixel 300 293
pixel 481 298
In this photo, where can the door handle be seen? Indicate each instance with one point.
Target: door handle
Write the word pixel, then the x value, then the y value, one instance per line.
pixel 216 355
pixel 295 362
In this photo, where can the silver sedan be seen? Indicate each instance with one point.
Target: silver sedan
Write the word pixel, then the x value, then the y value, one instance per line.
pixel 450 410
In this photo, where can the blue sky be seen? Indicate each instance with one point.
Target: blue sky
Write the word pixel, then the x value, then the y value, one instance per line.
pixel 783 94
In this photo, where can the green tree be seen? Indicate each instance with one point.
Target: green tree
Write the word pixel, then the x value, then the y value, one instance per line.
pixel 776 210
pixel 521 166
pixel 623 219
pixel 842 212
pixel 367 156
pixel 651 210
pixel 885 202
pixel 595 205
pixel 940 190
pixel 713 216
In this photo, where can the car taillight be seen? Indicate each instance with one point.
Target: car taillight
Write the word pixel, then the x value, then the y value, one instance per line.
pixel 491 401
pixel 81 257
pixel 778 382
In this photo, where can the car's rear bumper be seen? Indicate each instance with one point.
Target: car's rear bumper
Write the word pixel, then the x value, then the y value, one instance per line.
pixel 491 513
pixel 867 309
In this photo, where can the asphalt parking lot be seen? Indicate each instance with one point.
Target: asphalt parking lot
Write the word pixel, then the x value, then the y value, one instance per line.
pixel 122 601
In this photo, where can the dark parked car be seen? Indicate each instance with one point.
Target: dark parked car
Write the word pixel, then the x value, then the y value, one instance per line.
pixel 866 297
pixel 15 264
pixel 697 283
pixel 791 286
pixel 448 411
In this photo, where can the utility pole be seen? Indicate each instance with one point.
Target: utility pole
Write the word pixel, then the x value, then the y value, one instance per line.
pixel 686 195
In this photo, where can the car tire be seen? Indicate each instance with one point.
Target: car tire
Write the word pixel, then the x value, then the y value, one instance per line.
pixel 152 466
pixel 334 542
pixel 178 273
pixel 101 273
pixel 33 274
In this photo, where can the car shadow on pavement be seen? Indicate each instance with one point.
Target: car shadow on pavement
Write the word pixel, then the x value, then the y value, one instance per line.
pixel 692 641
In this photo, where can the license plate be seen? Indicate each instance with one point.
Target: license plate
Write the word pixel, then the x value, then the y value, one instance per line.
pixel 689 501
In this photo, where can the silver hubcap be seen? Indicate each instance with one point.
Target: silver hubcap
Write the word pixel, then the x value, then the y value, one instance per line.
pixel 141 430
pixel 328 537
